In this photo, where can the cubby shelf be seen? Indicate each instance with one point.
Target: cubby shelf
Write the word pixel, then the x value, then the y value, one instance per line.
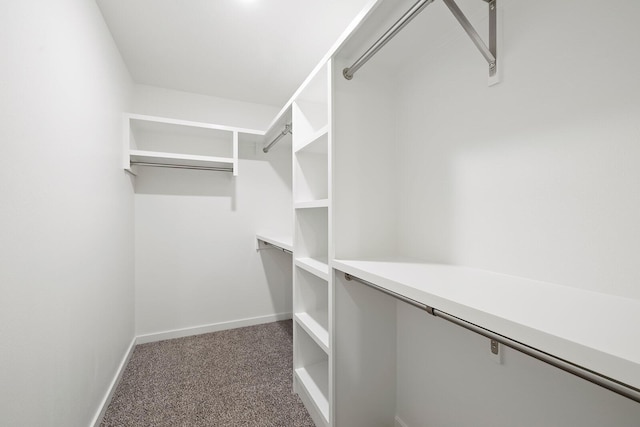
pixel 316 266
pixel 314 379
pixel 315 330
pixel 311 204
pixel 315 143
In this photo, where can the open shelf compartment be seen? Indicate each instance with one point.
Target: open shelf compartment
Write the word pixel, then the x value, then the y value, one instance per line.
pixel 312 306
pixel 311 376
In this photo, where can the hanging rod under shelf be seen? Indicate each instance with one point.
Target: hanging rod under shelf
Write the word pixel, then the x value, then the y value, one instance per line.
pixel 608 383
pixel 287 130
pixel 287 251
pixel 489 53
pixel 167 165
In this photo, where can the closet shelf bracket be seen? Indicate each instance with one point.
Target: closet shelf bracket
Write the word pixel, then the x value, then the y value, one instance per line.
pixel 488 52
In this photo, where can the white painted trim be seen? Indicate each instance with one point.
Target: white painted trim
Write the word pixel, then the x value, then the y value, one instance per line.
pixel 102 408
pixel 399 422
pixel 214 327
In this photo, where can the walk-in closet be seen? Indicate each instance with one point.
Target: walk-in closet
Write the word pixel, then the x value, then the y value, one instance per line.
pixel 363 213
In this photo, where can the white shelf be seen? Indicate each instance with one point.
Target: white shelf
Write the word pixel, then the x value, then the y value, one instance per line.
pixel 594 330
pixel 315 143
pixel 152 140
pixel 315 330
pixel 322 203
pixel 315 381
pixel 188 123
pixel 283 242
pixel 177 159
pixel 316 266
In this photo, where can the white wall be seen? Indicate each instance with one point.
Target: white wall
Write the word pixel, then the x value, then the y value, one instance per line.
pixel 66 216
pixel 196 263
pixel 537 176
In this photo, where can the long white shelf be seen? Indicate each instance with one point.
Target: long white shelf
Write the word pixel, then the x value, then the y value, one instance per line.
pixel 188 123
pixel 283 242
pixel 315 266
pixel 180 159
pixel 597 331
pixel 315 330
pixel 315 380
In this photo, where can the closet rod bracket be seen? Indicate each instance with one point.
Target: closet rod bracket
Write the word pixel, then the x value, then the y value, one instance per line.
pixel 488 52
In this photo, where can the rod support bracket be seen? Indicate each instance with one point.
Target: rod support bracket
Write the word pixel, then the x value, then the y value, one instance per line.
pixel 346 74
pixel 490 52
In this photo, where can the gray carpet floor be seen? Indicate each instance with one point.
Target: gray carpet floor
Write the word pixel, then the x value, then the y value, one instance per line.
pixel 238 377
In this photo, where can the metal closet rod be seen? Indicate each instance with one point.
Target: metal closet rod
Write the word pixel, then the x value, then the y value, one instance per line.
pixel 615 386
pixel 287 130
pixel 168 165
pixel 286 251
pixel 489 53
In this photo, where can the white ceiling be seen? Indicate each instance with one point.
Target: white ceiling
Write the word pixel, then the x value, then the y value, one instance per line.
pixel 249 50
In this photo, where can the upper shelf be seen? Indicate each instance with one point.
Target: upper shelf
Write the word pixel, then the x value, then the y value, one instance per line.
pixel 192 124
pixel 594 330
pixel 174 143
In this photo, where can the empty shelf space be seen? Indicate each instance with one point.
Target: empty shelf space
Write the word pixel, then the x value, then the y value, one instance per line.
pixel 315 266
pixel 315 381
pixel 310 204
pixel 317 142
pixel 598 333
pixel 160 158
pixel 315 330
pixel 282 242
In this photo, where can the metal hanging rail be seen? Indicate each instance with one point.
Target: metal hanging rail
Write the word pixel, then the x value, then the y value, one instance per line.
pixel 168 165
pixel 287 130
pixel 489 53
pixel 615 386
pixel 286 251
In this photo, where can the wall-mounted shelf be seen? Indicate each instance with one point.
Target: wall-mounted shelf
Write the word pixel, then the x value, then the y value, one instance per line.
pixel 186 161
pixel 284 243
pixel 600 333
pixel 182 144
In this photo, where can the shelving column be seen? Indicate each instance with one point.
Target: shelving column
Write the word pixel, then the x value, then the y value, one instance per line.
pixel 311 279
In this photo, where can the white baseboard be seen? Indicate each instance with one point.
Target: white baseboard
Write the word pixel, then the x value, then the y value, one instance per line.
pixel 214 327
pixel 399 422
pixel 97 419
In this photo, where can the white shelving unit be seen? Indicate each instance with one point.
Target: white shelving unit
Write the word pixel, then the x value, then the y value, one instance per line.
pixel 172 143
pixel 311 281
pixel 417 178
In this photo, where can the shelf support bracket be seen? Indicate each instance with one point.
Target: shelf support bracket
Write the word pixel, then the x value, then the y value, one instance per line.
pixel 489 52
